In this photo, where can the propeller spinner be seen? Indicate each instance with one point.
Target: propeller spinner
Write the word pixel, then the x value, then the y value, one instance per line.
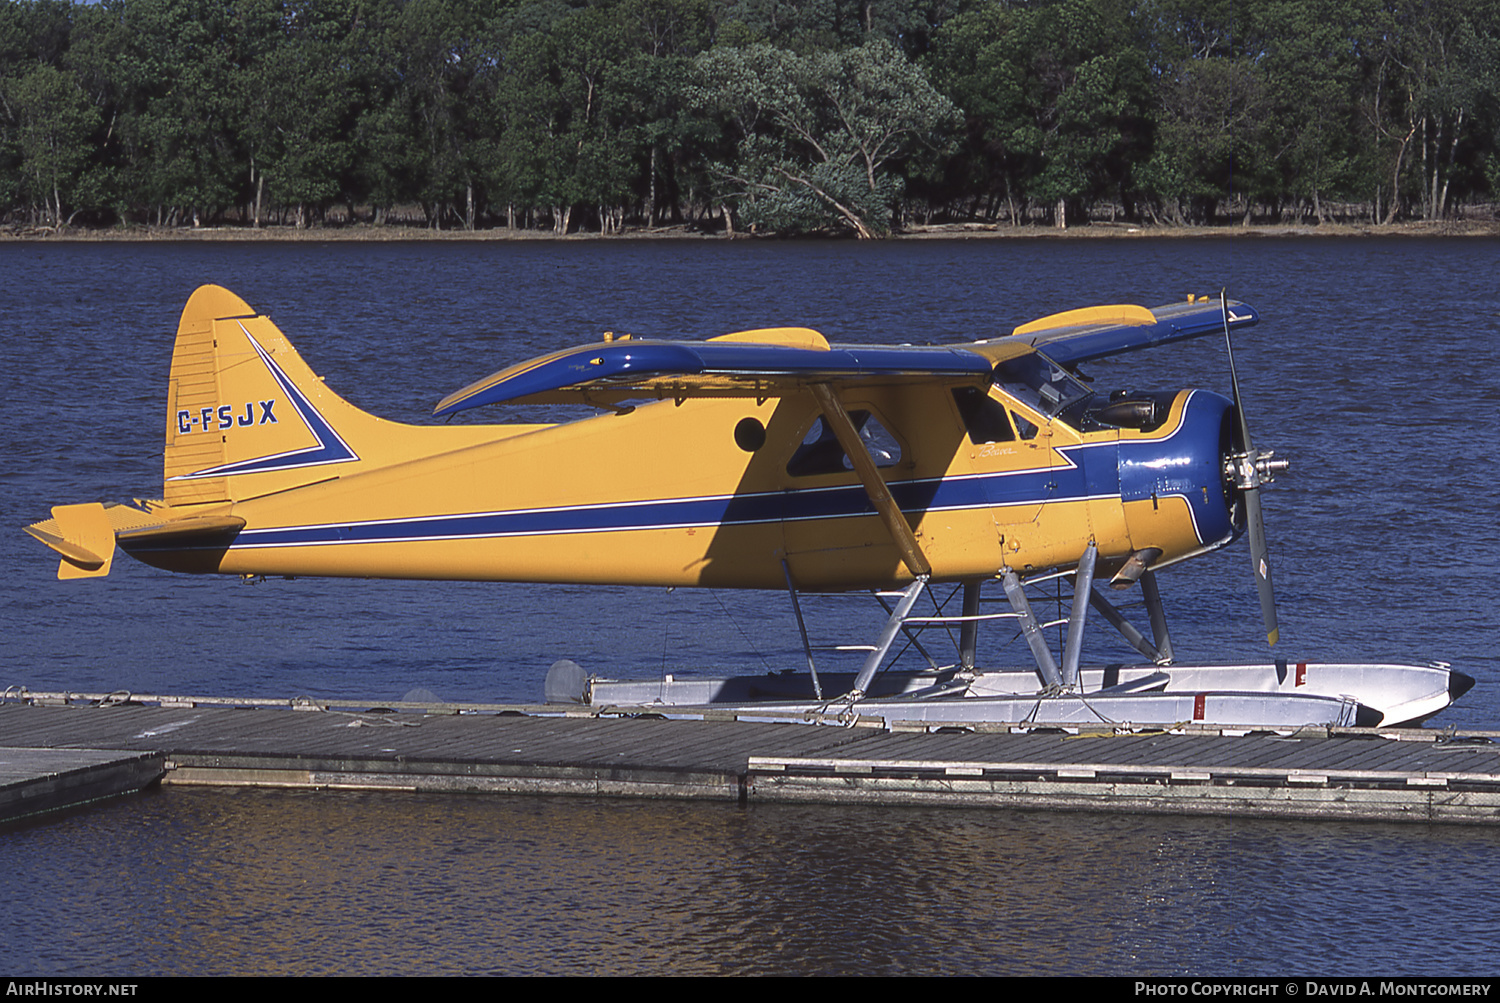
pixel 1247 468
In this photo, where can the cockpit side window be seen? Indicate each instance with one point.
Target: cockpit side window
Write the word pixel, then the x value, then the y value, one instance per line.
pixel 986 419
pixel 1040 383
pixel 820 452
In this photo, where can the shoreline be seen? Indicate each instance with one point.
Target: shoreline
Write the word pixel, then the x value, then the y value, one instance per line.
pixel 946 231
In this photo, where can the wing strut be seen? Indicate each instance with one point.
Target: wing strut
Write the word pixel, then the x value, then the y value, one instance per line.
pixel 880 495
pixel 890 514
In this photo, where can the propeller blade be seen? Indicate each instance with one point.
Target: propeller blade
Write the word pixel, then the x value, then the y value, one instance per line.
pixel 1234 378
pixel 1260 554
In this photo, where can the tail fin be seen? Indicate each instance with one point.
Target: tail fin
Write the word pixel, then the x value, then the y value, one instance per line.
pixel 245 415
pixel 246 418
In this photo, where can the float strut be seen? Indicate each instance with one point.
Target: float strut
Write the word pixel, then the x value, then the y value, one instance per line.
pixel 1045 663
pixel 1127 629
pixel 1158 613
pixel 802 626
pixel 887 636
pixel 1083 586
pixel 968 633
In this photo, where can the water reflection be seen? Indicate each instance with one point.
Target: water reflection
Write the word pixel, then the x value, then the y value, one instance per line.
pixel 248 881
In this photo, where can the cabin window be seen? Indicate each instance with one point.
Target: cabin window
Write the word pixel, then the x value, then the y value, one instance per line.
pixel 1024 425
pixel 986 419
pixel 820 452
pixel 749 434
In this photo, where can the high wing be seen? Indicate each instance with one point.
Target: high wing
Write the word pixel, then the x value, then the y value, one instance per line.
pixel 1096 332
pixel 769 363
pixel 779 361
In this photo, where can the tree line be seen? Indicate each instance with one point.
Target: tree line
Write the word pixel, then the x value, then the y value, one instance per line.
pixel 778 116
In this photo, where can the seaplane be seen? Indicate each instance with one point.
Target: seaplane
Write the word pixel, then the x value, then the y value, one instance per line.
pixel 773 460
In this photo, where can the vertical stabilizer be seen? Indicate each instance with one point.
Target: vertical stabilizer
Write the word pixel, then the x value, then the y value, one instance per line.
pixel 245 415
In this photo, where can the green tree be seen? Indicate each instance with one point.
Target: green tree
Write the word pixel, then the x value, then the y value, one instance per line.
pixel 1058 97
pixel 299 104
pixel 565 139
pixel 443 48
pixel 820 136
pixel 50 124
pixel 180 128
pixel 1210 130
pixel 1433 68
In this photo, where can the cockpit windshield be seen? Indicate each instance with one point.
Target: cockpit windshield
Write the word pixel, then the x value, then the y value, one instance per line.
pixel 1041 383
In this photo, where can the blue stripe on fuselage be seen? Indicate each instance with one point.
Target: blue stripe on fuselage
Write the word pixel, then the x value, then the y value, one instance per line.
pixel 1072 480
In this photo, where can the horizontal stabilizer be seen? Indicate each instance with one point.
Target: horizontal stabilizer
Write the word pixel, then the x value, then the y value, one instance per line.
pixel 84 537
pixel 198 525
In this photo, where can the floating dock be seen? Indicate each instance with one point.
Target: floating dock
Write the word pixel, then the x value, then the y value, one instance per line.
pixel 37 781
pixel 1316 773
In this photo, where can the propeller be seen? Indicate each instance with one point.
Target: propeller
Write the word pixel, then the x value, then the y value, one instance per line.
pixel 1248 468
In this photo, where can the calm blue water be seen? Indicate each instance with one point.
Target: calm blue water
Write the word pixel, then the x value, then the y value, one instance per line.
pixel 1375 369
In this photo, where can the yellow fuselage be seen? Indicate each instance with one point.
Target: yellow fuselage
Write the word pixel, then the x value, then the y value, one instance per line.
pixel 665 496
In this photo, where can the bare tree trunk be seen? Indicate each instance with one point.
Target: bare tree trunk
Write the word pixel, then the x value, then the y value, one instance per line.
pixel 1390 215
pixel 1442 201
pixel 651 197
pixel 1061 222
pixel 1429 210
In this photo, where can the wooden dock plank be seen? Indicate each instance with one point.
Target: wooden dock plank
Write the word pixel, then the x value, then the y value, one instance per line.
pixel 1313 775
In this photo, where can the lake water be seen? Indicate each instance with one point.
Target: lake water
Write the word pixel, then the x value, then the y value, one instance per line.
pixel 1376 369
